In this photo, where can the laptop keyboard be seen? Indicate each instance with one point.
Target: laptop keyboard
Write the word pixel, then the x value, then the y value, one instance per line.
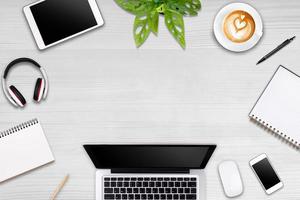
pixel 116 187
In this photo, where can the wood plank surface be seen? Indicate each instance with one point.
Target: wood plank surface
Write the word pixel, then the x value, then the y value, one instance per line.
pixel 105 90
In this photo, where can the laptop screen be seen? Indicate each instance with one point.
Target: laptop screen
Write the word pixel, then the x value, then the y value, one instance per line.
pixel 150 156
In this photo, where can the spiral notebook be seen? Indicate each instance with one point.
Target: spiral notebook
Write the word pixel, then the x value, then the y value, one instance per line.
pixel 23 148
pixel 278 107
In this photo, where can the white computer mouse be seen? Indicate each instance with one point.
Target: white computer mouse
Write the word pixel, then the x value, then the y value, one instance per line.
pixel 230 178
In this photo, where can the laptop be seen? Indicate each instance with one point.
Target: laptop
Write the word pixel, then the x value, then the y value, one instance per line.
pixel 150 171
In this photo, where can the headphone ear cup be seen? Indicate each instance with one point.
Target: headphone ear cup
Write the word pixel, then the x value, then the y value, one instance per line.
pixel 39 89
pixel 16 96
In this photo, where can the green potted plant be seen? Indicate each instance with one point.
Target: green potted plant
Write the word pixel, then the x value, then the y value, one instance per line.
pixel 147 16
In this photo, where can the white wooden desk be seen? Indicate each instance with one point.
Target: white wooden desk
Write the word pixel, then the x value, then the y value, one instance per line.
pixel 104 90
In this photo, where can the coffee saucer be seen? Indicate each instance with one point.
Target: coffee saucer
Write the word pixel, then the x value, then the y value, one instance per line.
pixel 227 43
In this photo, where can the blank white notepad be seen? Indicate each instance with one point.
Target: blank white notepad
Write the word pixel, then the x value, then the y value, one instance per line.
pixel 23 147
pixel 278 107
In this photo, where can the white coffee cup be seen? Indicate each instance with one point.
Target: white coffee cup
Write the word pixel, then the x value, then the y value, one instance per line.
pixel 220 35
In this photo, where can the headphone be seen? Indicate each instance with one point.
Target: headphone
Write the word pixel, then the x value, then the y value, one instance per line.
pixel 12 93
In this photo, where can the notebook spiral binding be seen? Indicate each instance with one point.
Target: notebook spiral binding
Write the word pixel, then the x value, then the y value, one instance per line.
pixel 265 124
pixel 17 128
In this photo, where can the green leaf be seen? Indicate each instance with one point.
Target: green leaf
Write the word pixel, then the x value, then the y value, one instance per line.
pixel 161 8
pixel 185 7
pixel 175 24
pixel 136 7
pixel 153 21
pixel 141 29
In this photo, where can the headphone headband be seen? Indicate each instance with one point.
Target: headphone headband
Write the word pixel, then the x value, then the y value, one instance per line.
pixel 17 61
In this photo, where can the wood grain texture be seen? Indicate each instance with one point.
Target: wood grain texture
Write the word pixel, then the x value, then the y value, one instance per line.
pixel 104 90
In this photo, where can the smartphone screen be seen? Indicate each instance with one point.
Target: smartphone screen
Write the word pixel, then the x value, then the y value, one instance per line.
pixel 266 173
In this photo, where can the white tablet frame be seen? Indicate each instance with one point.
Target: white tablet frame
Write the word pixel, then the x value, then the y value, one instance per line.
pixel 37 35
pixel 274 187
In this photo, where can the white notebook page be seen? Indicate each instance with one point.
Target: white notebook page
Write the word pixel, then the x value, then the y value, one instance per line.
pixel 23 150
pixel 279 106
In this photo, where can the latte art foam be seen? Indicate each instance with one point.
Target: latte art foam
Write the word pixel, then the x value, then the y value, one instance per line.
pixel 239 26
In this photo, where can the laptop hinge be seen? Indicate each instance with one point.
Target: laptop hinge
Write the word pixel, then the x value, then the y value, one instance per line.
pixel 150 170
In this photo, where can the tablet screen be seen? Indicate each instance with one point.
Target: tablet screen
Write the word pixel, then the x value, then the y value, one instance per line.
pixel 58 19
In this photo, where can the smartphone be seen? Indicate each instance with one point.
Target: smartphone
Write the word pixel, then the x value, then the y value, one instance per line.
pixel 266 174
